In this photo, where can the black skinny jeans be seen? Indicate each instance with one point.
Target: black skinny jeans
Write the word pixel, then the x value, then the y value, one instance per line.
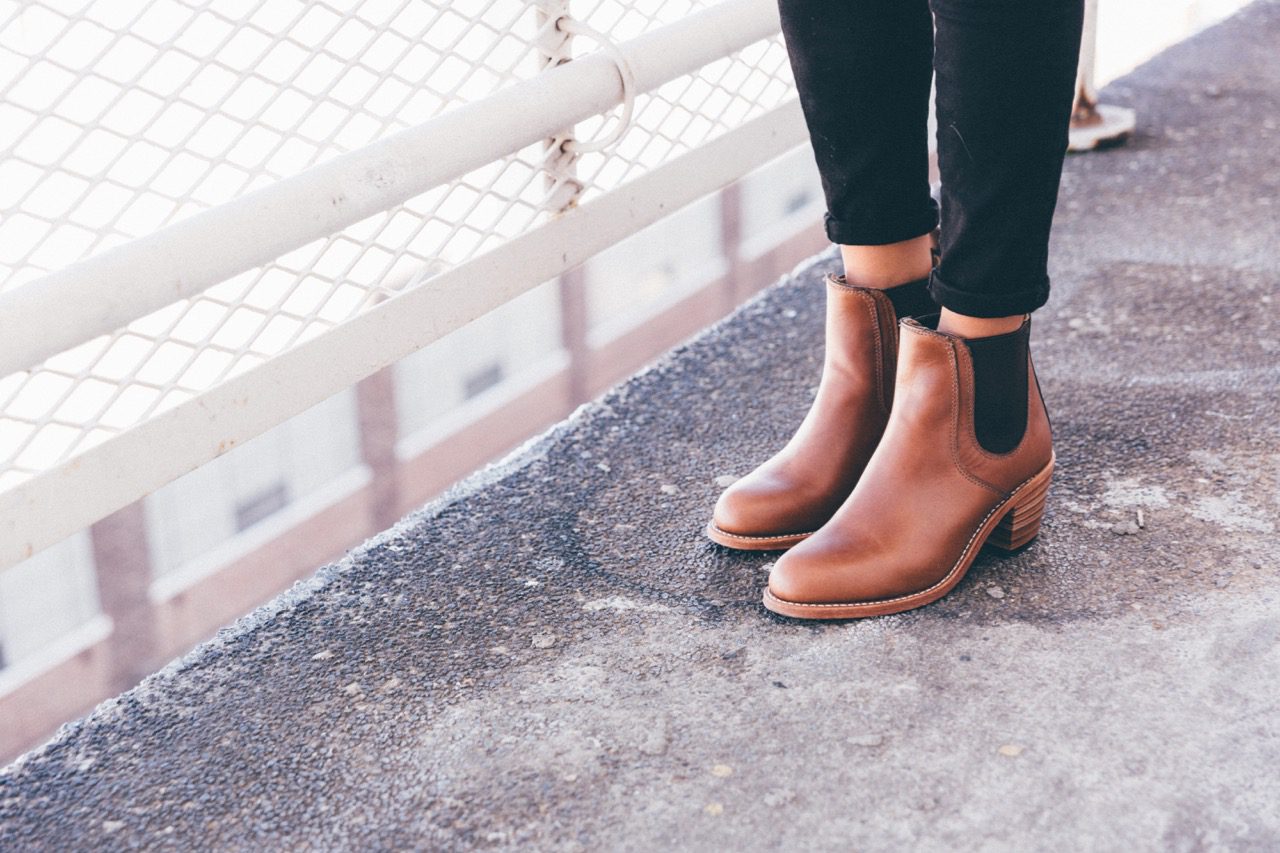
pixel 1006 74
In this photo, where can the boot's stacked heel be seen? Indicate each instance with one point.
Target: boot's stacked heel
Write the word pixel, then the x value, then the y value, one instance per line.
pixel 1021 523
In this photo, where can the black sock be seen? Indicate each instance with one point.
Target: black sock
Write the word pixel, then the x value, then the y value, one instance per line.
pixel 1000 389
pixel 911 299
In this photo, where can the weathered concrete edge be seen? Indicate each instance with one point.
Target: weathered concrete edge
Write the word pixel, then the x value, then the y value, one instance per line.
pixel 303 591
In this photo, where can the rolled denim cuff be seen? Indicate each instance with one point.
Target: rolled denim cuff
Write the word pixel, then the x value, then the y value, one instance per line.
pixel 1005 303
pixel 878 229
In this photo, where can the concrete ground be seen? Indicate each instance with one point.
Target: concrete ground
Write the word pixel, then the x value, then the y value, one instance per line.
pixel 553 657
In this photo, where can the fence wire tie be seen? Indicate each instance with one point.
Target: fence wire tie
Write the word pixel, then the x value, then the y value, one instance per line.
pixel 574 27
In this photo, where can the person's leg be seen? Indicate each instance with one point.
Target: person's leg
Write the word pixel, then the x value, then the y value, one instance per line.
pixel 967 454
pixel 863 70
pixel 1006 73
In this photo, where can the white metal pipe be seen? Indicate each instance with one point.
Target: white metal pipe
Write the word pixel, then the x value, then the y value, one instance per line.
pixel 1086 93
pixel 124 468
pixel 1093 124
pixel 110 290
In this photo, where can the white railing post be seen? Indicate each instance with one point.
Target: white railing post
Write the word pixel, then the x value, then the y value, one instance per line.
pixel 555 48
pixel 559 163
pixel 1094 124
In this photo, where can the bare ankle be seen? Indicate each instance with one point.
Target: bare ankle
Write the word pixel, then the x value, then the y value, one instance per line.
pixel 888 265
pixel 964 326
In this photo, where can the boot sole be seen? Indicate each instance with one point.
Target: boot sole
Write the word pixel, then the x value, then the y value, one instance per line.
pixel 754 543
pixel 1010 526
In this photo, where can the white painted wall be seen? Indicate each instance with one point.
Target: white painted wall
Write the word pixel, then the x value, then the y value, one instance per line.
pixel 507 342
pixel 197 513
pixel 653 268
pixel 45 598
pixel 1132 31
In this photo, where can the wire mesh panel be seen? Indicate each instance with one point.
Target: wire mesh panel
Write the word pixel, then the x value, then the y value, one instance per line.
pixel 117 119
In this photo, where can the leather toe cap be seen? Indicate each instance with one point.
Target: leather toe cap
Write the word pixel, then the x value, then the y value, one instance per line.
pixel 795 579
pixel 743 509
pixel 763 504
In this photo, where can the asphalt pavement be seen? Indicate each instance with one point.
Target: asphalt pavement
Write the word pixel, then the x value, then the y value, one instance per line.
pixel 553 657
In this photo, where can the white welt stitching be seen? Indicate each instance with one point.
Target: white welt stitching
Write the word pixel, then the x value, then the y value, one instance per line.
pixel 759 538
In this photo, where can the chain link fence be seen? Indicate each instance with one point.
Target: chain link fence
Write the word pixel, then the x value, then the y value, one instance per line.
pixel 119 118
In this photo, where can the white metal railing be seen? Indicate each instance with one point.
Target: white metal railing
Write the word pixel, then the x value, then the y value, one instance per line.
pixel 165 341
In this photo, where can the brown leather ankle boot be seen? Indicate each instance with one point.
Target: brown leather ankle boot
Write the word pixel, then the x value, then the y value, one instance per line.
pixel 793 493
pixel 930 496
